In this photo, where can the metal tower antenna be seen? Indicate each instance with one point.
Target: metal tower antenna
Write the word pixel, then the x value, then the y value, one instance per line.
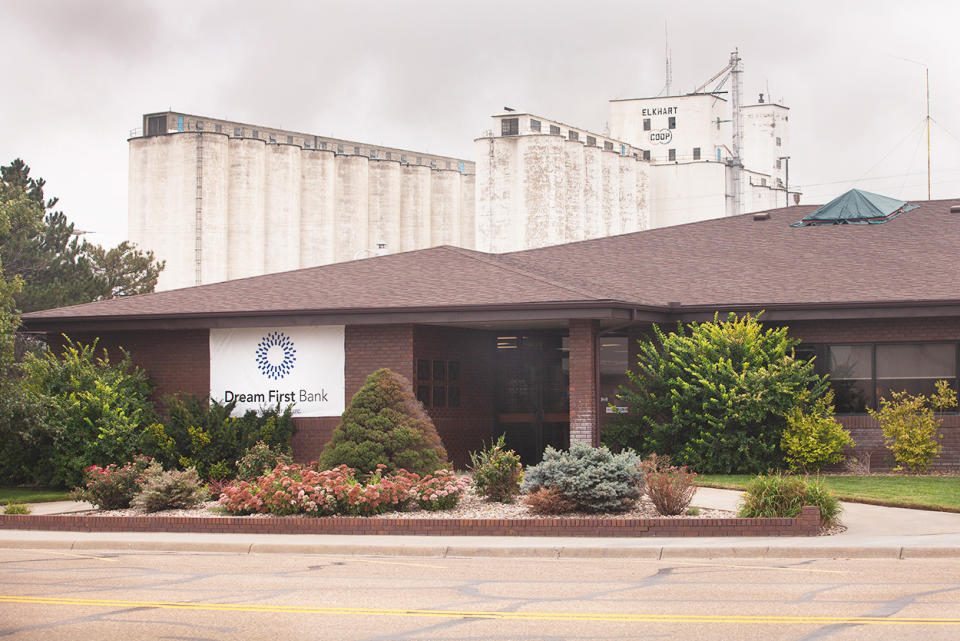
pixel 666 50
pixel 736 163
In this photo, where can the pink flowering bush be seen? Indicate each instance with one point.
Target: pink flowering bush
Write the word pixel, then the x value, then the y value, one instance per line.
pixel 295 489
pixel 439 491
pixel 113 487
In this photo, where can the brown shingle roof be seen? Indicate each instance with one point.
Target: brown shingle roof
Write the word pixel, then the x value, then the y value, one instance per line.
pixel 742 261
pixel 723 262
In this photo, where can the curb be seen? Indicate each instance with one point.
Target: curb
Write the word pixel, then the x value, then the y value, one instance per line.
pixel 652 552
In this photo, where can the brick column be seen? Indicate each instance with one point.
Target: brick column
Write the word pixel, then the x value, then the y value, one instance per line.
pixel 583 381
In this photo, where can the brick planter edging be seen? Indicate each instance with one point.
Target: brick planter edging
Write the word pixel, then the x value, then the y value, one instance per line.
pixel 807 524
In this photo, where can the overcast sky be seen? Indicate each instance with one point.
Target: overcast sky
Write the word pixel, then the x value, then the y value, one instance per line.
pixel 427 75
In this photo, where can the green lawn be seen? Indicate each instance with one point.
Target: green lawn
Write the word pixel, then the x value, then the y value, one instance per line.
pixel 32 495
pixel 926 492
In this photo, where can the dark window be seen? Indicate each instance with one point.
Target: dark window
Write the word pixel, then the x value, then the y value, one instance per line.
pixel 356 151
pixel 423 394
pixel 763 182
pixel 373 153
pixel 862 374
pixel 608 145
pixel 509 126
pixel 437 383
pixel 403 158
pixel 255 134
pixel 339 149
pixel 290 140
pixel 591 141
pixel 915 368
pixel 646 154
pixel 534 125
pixel 273 138
pixel 646 124
pixel 572 135
pixel 218 129
pixel 237 132
pixel 778 163
pixel 423 370
pixel 778 141
pixel 156 125
pixel 672 122
pixel 554 129
pixel 387 155
pixel 199 125
pixel 696 153
pixel 672 155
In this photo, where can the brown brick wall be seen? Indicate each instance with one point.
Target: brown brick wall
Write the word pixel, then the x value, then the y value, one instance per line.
pixel 463 428
pixel 177 361
pixel 583 386
pixel 806 525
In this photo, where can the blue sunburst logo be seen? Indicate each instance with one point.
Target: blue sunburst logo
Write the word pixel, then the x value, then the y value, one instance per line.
pixel 276 355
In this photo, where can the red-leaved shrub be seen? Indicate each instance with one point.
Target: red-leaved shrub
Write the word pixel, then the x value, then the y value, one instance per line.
pixel 670 488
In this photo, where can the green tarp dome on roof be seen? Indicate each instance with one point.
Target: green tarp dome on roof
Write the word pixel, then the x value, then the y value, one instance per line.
pixel 856 208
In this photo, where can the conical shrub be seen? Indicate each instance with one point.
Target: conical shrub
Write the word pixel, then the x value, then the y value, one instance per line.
pixel 385 424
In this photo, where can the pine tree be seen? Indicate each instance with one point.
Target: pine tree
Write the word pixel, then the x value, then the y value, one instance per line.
pixel 42 247
pixel 385 424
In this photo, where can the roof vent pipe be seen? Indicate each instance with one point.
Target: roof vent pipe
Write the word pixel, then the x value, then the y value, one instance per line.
pixel 955 209
pixel 761 216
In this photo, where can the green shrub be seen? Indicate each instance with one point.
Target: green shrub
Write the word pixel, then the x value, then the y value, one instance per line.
pixel 590 477
pixel 814 438
pixel 91 410
pixel 910 427
pixel 714 397
pixel 168 490
pixel 16 507
pixel 670 488
pixel 385 425
pixel 778 496
pixel 114 487
pixel 496 472
pixel 259 459
pixel 204 434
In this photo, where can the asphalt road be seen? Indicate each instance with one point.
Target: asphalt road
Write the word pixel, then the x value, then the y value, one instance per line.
pixel 57 594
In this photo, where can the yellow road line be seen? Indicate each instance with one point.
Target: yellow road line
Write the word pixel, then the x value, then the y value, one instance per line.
pixel 493 615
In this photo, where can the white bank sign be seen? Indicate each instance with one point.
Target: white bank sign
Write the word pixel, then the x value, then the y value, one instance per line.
pixel 263 366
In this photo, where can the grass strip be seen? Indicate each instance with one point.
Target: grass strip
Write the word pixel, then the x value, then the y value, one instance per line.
pixel 940 493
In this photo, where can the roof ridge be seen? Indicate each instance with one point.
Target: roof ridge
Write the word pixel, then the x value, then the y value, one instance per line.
pixel 498 262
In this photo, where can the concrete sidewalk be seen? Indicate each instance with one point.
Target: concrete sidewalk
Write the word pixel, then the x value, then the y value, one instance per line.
pixel 873 532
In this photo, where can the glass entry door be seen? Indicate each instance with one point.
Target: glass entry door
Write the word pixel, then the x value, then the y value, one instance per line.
pixel 533 401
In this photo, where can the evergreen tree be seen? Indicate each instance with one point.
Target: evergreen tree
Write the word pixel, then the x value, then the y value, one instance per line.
pixel 56 267
pixel 385 424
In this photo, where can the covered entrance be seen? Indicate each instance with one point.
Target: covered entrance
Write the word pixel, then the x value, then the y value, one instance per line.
pixel 532 396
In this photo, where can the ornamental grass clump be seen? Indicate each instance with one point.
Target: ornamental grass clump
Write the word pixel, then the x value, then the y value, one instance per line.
pixel 669 488
pixel 439 491
pixel 592 478
pixel 385 425
pixel 778 496
pixel 496 472
pixel 169 490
